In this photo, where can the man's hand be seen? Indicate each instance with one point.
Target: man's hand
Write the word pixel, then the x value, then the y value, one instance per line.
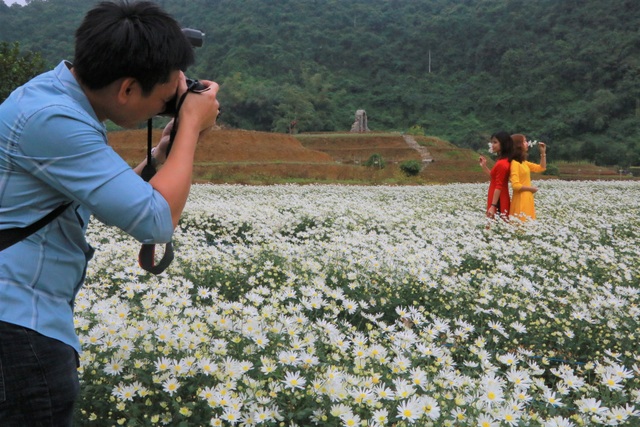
pixel 200 110
pixel 160 151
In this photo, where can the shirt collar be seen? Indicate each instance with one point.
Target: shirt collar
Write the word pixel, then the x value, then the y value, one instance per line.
pixel 72 87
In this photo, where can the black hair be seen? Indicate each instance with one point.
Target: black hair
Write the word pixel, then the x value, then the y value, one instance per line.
pixel 506 144
pixel 124 38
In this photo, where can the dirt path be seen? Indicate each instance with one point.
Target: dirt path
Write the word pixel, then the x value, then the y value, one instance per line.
pixel 424 153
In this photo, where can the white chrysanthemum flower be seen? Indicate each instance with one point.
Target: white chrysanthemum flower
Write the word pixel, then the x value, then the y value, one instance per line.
pixel 519 327
pixel 309 360
pixel 558 422
pixel 179 368
pixel 289 357
pixel 262 415
pixel 620 371
pixel 430 407
pixel 509 359
pixel 124 392
pixel 418 377
pixel 492 394
pixel 383 392
pixel 231 415
pixel 350 420
pixel 497 326
pixel 207 393
pixel 379 418
pixel 114 367
pixel 340 409
pixel 268 366
pixel 519 378
pixel 293 380
pixel 591 406
pixel 207 366
pixel 551 398
pixel 362 395
pixel 170 385
pixel 510 415
pixel 612 381
pixel 486 420
pixel 617 416
pixel 404 389
pixel 409 410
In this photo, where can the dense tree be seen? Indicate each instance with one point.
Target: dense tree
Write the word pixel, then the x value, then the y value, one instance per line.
pixel 566 71
pixel 16 67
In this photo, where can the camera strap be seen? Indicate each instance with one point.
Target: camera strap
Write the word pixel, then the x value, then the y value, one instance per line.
pixel 146 256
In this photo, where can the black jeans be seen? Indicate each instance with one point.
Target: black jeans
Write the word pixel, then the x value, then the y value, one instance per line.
pixel 38 379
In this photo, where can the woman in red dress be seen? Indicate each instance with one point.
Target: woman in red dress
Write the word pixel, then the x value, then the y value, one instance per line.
pixel 498 198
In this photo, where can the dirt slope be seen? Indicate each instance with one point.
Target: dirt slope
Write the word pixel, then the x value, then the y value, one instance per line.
pixel 226 146
pixel 357 148
pixel 250 157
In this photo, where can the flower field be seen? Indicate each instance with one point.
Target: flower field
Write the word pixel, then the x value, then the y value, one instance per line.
pixel 370 306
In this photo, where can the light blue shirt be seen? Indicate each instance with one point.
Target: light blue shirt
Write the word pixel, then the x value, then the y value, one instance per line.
pixel 53 149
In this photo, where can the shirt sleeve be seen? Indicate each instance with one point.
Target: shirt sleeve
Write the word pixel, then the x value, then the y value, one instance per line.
pixel 514 176
pixel 70 154
pixel 536 168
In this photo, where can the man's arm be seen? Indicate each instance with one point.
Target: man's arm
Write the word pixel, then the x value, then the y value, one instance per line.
pixel 197 114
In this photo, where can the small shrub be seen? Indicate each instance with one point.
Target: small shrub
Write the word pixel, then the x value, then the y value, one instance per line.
pixel 375 161
pixel 416 130
pixel 552 170
pixel 411 167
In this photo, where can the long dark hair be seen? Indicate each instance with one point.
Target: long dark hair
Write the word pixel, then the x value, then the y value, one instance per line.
pixel 506 144
pixel 518 154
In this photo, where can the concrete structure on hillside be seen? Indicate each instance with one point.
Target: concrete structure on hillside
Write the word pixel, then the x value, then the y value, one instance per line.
pixel 360 125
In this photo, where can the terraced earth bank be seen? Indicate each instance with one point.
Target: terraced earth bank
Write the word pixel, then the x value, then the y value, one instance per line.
pixel 250 157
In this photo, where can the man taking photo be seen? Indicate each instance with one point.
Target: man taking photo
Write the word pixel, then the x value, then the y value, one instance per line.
pixel 55 163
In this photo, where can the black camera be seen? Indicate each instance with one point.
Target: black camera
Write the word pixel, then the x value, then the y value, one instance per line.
pixel 196 38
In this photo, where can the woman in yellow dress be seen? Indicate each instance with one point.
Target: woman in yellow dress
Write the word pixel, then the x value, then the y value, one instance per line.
pixel 522 206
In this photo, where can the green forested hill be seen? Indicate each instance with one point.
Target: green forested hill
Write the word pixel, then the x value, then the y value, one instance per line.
pixel 565 71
